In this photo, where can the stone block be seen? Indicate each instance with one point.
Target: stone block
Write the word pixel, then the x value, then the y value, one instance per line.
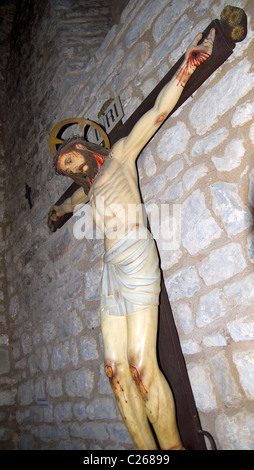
pixel 69 324
pixel 228 205
pixel 244 361
pixel 156 185
pixel 183 283
pixel 210 142
pixel 33 365
pixel 14 307
pixel 96 431
pixel 173 193
pixel 235 432
pixel 48 433
pixel 190 347
pixel 54 386
pixel 242 329
pixel 232 158
pixel 60 246
pixel 4 340
pixel 173 142
pixel 48 332
pixel 26 394
pixel 63 411
pixel 79 410
pixel 241 291
pixel 214 341
pixel 119 433
pixel 43 358
pixel 79 383
pixel 88 347
pixel 102 408
pixel 202 387
pixel 222 263
pixel 243 114
pixel 5 365
pixel 227 387
pixel 193 175
pixel 92 285
pixel 91 319
pixel 149 164
pixel 199 228
pixel 60 356
pixel 185 317
pixel 211 307
pixel 71 291
pixel 26 343
pixel 174 169
pixel 7 397
pixel 143 21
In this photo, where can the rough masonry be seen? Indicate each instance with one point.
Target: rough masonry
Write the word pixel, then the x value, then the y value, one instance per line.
pixel 54 393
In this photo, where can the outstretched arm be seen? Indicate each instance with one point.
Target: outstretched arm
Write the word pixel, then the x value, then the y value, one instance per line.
pixel 56 212
pixel 168 98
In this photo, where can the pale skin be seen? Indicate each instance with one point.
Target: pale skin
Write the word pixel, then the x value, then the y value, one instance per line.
pixel 141 390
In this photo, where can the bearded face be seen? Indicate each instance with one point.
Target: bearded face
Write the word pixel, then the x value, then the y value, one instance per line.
pixel 80 160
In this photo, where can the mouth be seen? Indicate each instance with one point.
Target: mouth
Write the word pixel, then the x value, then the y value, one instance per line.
pixel 83 168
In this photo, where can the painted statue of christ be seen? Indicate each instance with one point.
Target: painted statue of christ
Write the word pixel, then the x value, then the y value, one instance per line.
pixel 130 285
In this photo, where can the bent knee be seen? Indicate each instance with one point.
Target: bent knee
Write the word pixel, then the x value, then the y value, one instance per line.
pixel 109 370
pixel 116 375
pixel 115 369
pixel 140 380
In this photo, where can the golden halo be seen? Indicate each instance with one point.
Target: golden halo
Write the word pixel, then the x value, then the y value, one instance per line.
pixel 54 140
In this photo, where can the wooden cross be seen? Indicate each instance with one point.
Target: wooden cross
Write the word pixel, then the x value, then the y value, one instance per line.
pixel 170 355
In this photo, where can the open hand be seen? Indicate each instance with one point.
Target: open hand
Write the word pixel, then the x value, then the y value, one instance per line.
pixel 53 216
pixel 195 54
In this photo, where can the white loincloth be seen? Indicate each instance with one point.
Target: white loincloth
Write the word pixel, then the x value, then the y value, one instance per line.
pixel 131 274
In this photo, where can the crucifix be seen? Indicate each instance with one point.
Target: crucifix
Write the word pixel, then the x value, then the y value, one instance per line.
pixel 131 282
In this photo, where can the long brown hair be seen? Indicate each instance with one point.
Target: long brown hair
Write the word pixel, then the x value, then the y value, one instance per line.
pixel 67 146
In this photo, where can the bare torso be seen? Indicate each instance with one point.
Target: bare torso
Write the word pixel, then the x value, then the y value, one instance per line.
pixel 115 197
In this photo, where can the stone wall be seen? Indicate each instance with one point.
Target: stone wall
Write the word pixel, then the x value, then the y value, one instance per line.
pixel 199 163
pixel 7 391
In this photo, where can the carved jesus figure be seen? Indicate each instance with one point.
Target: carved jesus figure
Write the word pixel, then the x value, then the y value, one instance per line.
pixel 131 276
